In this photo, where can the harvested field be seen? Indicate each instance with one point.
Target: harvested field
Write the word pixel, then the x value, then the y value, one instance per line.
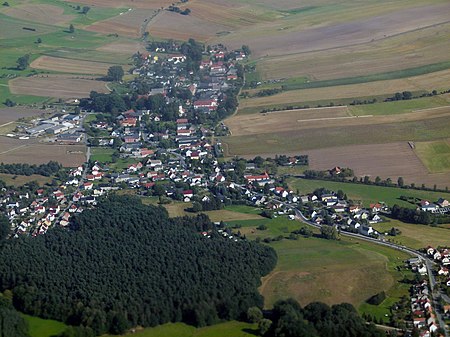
pixel 437 80
pixel 31 152
pixel 58 86
pixel 70 65
pixel 128 24
pixel 122 47
pixel 8 115
pixel 418 48
pixel 41 13
pixel 345 34
pixel 143 4
pixel 307 119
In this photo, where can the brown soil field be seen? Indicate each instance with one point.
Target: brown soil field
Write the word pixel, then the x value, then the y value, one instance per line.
pixel 70 65
pixel 128 24
pixel 8 115
pixel 436 80
pixel 58 86
pixel 413 49
pixel 31 152
pixel 142 4
pixel 307 119
pixel 348 33
pixel 123 47
pixel 41 13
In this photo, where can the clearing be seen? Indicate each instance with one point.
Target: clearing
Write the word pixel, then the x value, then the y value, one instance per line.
pixel 58 86
pixel 39 327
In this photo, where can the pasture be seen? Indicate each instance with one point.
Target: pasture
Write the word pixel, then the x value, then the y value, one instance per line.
pixel 57 86
pixel 314 269
pixel 434 155
pixel 367 193
pixel 231 328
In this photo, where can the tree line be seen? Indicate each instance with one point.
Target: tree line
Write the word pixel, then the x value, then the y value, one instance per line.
pixel 47 170
pixel 124 264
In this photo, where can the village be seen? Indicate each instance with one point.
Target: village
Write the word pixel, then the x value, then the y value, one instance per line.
pixel 167 150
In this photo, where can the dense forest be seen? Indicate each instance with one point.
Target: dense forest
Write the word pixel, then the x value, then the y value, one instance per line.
pixel 125 264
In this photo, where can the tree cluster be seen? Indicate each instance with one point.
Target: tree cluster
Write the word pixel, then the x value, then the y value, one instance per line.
pixel 12 323
pixel 317 319
pixel 47 170
pixel 415 216
pixel 124 264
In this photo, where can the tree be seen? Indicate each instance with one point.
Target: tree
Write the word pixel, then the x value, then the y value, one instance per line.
pixel 39 40
pixel 254 315
pixel 246 50
pixel 4 227
pixel 9 103
pixel 23 62
pixel 115 73
pixel 400 182
pixel 264 326
pixel 71 29
pixel 329 232
pixel 85 9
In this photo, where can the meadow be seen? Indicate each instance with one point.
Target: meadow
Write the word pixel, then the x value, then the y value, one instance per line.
pixel 434 155
pixel 39 327
pixel 102 155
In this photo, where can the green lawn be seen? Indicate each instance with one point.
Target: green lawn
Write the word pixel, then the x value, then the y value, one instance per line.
pixel 434 155
pixel 227 329
pixel 366 193
pixel 101 154
pixel 39 327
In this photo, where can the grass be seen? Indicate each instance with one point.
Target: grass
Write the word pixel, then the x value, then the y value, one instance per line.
pixel 232 328
pixel 101 154
pixel 416 236
pixel 314 269
pixel 366 193
pixel 39 327
pixel 18 180
pixel 434 155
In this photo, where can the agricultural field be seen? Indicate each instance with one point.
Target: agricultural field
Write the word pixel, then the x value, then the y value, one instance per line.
pixel 434 155
pixel 31 152
pixel 366 193
pixel 19 180
pixel 70 65
pixel 57 86
pixel 8 115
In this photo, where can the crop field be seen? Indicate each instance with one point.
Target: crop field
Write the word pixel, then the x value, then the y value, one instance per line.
pixel 416 236
pixel 367 193
pixel 434 155
pixel 8 115
pixel 41 13
pixel 70 65
pixel 28 151
pixel 142 4
pixel 312 269
pixel 127 47
pixel 58 86
pixel 127 24
pixel 437 80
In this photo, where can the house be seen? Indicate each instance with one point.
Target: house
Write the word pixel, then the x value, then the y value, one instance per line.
pixel 88 185
pixel 366 230
pixel 376 207
pixel 443 202
pixel 252 178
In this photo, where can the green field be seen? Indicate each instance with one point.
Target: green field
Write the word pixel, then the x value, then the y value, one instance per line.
pixel 366 193
pixel 39 327
pixel 19 180
pixel 434 155
pixel 102 154
pixel 227 329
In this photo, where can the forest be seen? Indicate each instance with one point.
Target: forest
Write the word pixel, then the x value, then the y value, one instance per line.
pixel 124 264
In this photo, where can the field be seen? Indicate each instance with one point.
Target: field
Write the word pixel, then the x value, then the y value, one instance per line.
pixel 18 180
pixel 39 327
pixel 41 13
pixel 232 328
pixel 8 115
pixel 70 65
pixel 367 193
pixel 58 86
pixel 437 80
pixel 434 155
pixel 416 236
pixel 102 155
pixel 31 152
